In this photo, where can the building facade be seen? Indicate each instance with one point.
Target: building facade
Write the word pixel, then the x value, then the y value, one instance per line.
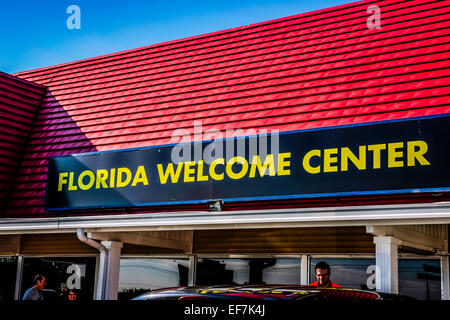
pixel 356 95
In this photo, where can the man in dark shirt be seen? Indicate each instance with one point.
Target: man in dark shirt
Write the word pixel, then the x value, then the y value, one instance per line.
pixel 323 276
pixel 35 292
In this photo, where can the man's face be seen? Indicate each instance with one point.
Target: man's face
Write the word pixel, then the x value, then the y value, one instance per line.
pixel 41 284
pixel 322 276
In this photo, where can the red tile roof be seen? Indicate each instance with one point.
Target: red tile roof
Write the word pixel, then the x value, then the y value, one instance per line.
pixel 317 69
pixel 19 101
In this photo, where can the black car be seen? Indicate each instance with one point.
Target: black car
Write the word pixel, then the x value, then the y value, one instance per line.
pixel 267 292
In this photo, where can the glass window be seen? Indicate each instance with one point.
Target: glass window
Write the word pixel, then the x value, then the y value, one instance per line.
pixel 248 271
pixel 67 278
pixel 284 271
pixel 420 279
pixel 348 273
pixel 8 268
pixel 140 275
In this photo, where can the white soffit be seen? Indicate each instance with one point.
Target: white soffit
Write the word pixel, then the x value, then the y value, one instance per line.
pixel 430 213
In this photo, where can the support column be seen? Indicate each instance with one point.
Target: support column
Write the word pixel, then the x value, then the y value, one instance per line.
pixel 304 271
pixel 112 270
pixel 445 283
pixel 192 270
pixel 18 278
pixel 386 275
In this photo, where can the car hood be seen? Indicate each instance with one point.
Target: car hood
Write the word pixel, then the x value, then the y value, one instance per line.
pixel 264 292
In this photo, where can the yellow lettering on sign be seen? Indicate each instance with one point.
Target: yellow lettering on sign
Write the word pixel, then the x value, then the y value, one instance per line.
pixel 112 180
pixel 330 157
pixel 307 164
pixel 90 175
pixel 284 162
pixel 102 175
pixel 200 176
pixel 164 175
pixel 376 150
pixel 188 171
pixel 140 177
pixel 418 155
pixel 71 186
pixel 359 162
pixel 397 154
pixel 212 169
pixel 262 168
pixel 62 180
pixel 120 182
pixel 240 174
pixel 393 155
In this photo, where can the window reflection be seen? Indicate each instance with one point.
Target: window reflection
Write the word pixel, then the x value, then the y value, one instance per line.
pixel 348 273
pixel 285 271
pixel 63 275
pixel 417 278
pixel 8 266
pixel 248 271
pixel 140 275
pixel 420 279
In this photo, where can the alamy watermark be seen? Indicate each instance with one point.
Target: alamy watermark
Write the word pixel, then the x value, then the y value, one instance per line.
pixel 74 279
pixel 237 144
pixel 371 280
pixel 74 20
pixel 374 20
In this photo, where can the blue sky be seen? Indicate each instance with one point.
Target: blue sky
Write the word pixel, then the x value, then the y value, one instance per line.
pixel 34 33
